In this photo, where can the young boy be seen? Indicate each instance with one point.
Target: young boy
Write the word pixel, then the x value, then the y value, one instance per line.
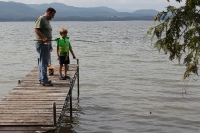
pixel 63 48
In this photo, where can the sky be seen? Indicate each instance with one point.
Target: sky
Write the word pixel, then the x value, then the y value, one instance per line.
pixel 119 5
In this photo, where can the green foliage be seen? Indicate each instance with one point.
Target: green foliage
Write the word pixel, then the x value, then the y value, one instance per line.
pixel 178 34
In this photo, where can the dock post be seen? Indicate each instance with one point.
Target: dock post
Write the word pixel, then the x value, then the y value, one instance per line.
pixel 78 78
pixel 54 113
pixel 70 100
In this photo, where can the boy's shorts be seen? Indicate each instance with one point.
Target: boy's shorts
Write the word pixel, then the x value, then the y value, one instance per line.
pixel 64 60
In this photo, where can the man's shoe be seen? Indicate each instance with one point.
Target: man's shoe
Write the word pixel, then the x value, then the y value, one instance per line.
pixel 46 84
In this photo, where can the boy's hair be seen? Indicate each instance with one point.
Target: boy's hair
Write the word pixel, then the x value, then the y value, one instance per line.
pixel 63 30
pixel 50 9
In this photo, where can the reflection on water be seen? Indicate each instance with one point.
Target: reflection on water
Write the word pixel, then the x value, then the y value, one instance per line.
pixel 69 123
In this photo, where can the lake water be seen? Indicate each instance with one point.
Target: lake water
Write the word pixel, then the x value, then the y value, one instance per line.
pixel 126 86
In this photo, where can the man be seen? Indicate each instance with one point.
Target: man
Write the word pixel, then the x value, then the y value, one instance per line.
pixel 43 32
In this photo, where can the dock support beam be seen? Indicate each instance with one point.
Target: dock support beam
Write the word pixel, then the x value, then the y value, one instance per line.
pixel 78 79
pixel 70 100
pixel 54 114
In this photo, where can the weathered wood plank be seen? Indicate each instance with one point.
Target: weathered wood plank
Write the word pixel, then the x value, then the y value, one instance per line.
pixel 9 108
pixel 39 96
pixel 29 115
pixel 29 106
pixel 32 111
pixel 41 90
pixel 31 102
pixel 25 128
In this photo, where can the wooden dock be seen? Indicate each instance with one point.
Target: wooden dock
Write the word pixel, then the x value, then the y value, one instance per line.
pixel 32 108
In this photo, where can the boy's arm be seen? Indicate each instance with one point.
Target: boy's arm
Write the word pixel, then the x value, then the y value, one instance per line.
pixel 58 52
pixel 74 57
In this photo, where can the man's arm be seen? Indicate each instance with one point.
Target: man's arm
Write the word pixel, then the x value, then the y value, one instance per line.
pixel 37 31
pixel 44 39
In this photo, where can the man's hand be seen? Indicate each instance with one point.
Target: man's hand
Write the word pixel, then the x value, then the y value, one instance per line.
pixel 45 39
pixel 51 49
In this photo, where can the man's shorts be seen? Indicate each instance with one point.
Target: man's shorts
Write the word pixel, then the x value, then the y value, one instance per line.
pixel 64 60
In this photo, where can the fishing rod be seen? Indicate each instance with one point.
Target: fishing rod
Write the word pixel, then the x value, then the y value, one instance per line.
pixel 43 41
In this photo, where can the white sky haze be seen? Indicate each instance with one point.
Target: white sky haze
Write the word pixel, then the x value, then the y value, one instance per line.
pixel 119 5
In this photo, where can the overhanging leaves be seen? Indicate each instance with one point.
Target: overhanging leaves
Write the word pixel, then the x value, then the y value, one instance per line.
pixel 178 34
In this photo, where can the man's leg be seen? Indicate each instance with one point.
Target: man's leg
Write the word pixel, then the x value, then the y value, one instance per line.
pixel 38 49
pixel 44 62
pixel 43 51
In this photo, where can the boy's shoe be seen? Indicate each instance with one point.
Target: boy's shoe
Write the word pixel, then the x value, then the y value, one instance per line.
pixel 62 78
pixel 67 77
pixel 47 83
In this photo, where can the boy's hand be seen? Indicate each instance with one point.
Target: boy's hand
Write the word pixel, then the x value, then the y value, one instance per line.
pixel 58 58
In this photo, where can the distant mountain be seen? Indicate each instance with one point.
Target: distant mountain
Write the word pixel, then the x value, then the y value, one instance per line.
pixel 143 12
pixel 103 8
pixel 62 7
pixel 63 10
pixel 12 11
pixel 15 10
